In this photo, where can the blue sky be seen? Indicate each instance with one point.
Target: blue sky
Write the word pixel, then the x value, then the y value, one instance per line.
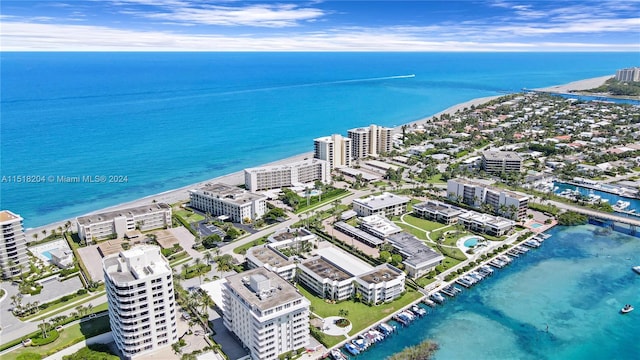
pixel 229 25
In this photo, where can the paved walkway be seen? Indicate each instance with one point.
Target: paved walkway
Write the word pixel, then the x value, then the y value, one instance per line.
pixel 329 326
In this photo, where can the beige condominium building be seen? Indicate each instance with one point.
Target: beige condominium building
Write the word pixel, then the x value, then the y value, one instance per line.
pixel 335 150
pixel 222 199
pixel 504 202
pixel 267 314
pixel 370 141
pixel 142 311
pixel 285 175
pixel 119 222
pixel 13 249
pixel 501 161
pixel 386 204
pixel 628 74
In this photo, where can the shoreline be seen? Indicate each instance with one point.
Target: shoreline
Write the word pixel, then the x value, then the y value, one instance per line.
pixel 180 194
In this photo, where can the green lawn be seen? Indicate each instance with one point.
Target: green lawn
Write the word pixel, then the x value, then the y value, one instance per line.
pixel 242 249
pixel 423 281
pixel 435 179
pixel 411 203
pixel 189 216
pixel 360 315
pixel 69 336
pixel 422 223
pixel 449 262
pixel 413 231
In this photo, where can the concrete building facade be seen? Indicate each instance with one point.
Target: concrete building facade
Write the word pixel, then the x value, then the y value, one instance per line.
pixel 13 246
pixel 386 204
pixel 628 75
pixel 286 175
pixel 119 222
pixel 267 314
pixel 504 202
pixel 142 314
pixel 496 162
pixel 221 199
pixel 335 150
pixel 371 141
pixel 418 258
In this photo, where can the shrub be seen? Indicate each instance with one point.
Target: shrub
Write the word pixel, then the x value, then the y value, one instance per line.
pixel 39 341
pixel 81 291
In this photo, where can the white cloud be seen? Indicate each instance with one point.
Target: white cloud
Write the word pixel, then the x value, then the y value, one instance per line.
pixel 258 15
pixel 23 36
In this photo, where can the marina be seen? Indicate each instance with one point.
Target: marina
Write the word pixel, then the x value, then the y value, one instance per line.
pixel 553 324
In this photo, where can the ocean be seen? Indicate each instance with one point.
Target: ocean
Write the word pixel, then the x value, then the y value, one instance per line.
pixel 159 121
pixel 560 301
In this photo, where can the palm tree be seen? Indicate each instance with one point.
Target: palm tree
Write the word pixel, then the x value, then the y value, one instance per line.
pixel 208 257
pixel 44 327
pixel 44 232
pixel 185 270
pixel 35 236
pixel 89 307
pixel 198 262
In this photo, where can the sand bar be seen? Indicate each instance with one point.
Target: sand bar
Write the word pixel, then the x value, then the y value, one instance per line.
pixel 579 85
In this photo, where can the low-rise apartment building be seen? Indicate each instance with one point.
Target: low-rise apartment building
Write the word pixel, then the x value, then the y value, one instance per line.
pixel 496 162
pixel 438 211
pixel 273 260
pixel 286 175
pixel 386 204
pixel 222 199
pixel 418 258
pixel 267 314
pixel 485 223
pixel 504 202
pixel 118 222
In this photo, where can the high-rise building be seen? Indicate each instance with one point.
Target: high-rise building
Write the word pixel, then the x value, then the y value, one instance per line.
pixel 267 314
pixel 334 149
pixel 13 248
pixel 371 141
pixel 222 199
pixel 141 301
pixel 629 74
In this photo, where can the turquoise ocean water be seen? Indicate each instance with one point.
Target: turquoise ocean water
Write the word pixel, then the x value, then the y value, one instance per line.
pixel 575 284
pixel 166 120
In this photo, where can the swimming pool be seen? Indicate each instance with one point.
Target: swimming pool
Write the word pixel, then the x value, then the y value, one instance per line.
pixel 471 242
pixel 536 225
pixel 46 254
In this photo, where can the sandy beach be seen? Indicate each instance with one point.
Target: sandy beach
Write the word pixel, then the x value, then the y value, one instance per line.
pixel 577 85
pixel 236 178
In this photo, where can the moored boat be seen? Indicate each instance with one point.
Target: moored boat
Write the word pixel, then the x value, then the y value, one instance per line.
pixel 636 269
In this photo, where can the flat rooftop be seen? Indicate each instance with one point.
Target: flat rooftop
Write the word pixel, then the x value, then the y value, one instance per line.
pixel 267 255
pixel 287 166
pixel 136 263
pixel 346 261
pixel 496 221
pixel 360 234
pixel 6 215
pixel 437 206
pixel 280 290
pixel 129 212
pixel 227 193
pixel 365 175
pixel 416 252
pixel 381 274
pixel 382 201
pixel 493 155
pixel 325 269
